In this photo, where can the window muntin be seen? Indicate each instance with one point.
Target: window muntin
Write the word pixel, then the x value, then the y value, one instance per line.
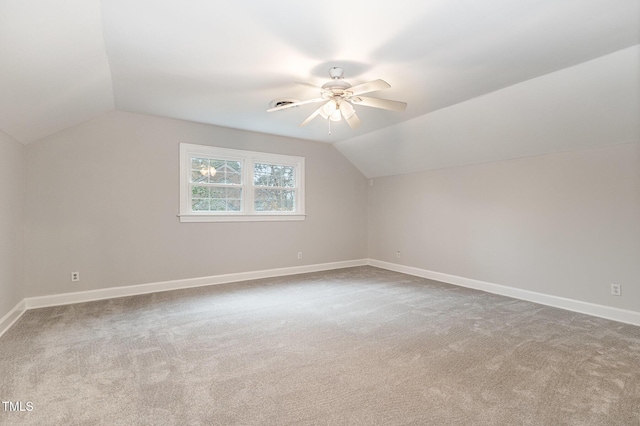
pixel 219 184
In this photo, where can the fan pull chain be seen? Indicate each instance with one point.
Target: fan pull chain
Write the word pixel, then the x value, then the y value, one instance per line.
pixel 329 127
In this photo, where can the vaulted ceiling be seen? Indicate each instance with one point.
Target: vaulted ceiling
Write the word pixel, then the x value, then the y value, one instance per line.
pixel 221 63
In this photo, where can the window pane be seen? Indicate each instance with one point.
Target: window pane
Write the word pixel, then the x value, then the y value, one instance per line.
pixel 235 166
pixel 233 178
pixel 198 177
pixel 200 192
pixel 218 206
pixel 219 177
pixel 218 192
pixel 273 175
pixel 288 177
pixel 274 200
pixel 234 193
pixel 199 163
pixel 233 205
pixel 198 205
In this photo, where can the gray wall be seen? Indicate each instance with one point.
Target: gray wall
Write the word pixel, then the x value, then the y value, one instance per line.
pixel 565 224
pixel 103 198
pixel 11 223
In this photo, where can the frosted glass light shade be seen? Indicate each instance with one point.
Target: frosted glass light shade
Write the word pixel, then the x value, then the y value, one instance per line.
pixel 346 109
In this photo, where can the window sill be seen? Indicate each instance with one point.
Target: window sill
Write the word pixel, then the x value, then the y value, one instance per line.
pixel 242 218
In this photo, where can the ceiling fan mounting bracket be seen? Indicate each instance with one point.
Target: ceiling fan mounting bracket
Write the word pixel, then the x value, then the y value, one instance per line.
pixel 336 73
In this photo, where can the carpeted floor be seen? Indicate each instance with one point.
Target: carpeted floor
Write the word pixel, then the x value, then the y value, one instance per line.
pixel 357 346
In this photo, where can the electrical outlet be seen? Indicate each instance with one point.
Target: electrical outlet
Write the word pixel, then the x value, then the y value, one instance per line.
pixel 398 254
pixel 616 289
pixel 299 255
pixel 75 276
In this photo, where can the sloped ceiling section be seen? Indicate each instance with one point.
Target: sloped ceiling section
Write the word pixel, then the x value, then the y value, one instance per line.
pixel 592 104
pixel 221 63
pixel 54 72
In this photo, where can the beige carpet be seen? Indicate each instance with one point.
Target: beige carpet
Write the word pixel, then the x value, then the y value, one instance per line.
pixel 358 346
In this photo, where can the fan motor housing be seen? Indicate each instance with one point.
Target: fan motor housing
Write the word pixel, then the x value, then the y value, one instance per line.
pixel 335 86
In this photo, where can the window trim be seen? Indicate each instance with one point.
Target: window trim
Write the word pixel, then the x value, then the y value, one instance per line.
pixel 248 158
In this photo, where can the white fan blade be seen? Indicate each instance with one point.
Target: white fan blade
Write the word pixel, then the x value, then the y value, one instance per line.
pixel 312 116
pixel 371 86
pixel 295 104
pixel 353 121
pixel 379 103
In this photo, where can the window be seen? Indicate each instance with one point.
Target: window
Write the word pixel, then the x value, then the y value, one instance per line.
pixel 219 184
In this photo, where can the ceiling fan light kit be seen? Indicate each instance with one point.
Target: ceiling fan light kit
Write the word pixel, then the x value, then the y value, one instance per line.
pixel 339 97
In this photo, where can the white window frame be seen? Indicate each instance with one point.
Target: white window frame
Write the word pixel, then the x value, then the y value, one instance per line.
pixel 247 158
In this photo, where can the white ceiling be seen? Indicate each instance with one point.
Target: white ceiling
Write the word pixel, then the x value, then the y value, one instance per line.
pixel 209 61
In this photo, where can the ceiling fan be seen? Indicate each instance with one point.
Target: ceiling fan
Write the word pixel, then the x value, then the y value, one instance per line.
pixel 339 97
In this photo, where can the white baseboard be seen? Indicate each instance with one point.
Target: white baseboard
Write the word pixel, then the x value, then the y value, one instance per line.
pixel 616 314
pixel 12 316
pixel 114 292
